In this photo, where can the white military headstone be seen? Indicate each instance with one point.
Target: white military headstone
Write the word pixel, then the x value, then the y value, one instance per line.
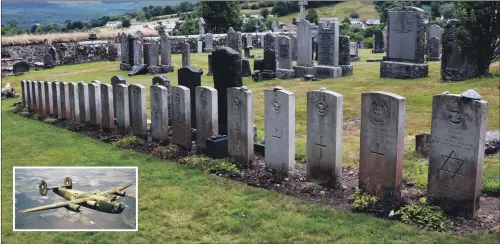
pixel 181 116
pixel 240 133
pixel 382 141
pixel 49 102
pixel 41 98
pixel 74 101
pixel 207 124
pixel 159 112
pixel 95 112
pixel 83 96
pixel 56 100
pixel 279 106
pixel 456 158
pixel 324 137
pixel 138 115
pixel 120 96
pixel 64 96
pixel 107 107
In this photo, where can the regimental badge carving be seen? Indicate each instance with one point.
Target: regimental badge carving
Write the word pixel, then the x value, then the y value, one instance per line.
pixel 237 102
pixel 321 107
pixel 379 112
pixel 453 113
pixel 276 105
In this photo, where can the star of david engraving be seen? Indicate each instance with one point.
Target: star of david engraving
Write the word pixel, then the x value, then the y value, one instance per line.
pixel 452 165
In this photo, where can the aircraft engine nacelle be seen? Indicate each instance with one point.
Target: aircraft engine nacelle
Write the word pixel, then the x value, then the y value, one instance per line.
pixel 73 207
pixel 110 207
pixel 91 203
pixel 120 193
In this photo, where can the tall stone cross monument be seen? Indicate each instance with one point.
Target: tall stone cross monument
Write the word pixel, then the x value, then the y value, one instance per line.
pixel 302 5
pixel 201 31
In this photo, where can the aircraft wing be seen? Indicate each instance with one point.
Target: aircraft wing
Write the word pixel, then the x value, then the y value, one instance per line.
pixel 115 189
pixel 56 205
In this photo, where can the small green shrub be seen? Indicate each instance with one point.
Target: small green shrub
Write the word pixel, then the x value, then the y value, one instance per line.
pixel 50 120
pixel 171 151
pixel 214 166
pixel 128 142
pixel 38 116
pixel 19 108
pixel 74 125
pixel 362 201
pixel 427 217
pixel 25 113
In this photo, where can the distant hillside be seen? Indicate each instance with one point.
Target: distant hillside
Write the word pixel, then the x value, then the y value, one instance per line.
pixel 366 10
pixel 30 13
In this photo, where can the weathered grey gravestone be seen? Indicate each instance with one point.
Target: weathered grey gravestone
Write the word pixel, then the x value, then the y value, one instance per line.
pixel 324 137
pixel 226 66
pixel 83 104
pixel 20 67
pixel 328 51
pixel 115 80
pixel 434 31
pixel 209 42
pixel 206 114
pixel 42 109
pixel 190 78
pixel 345 55
pixel 269 52
pixel 353 51
pixel 146 52
pixel 433 49
pixel 74 101
pixel 284 70
pixel 164 81
pixel 64 96
pixel 378 41
pixel 24 93
pixel 234 40
pixel 240 125
pixel 456 64
pixel 275 27
pixel 382 142
pixel 121 104
pixel 34 93
pixel 181 116
pixel 159 112
pixel 56 100
pixel 49 102
pixel 107 107
pixel 405 48
pixel 138 117
pixel 456 159
pixel 166 59
pixel 138 52
pixel 95 104
pixel 127 58
pixel 186 60
pixel 280 129
pixel 154 53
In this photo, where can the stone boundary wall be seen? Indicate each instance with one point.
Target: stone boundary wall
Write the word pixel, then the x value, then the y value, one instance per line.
pixel 76 52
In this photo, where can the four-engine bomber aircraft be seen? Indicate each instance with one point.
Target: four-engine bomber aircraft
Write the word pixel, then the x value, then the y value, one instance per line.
pixel 104 201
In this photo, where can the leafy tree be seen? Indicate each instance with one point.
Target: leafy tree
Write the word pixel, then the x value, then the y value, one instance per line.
pixel 480 23
pixel 168 10
pixel 189 27
pixel 446 10
pixel 312 16
pixel 183 7
pixel 264 12
pixel 219 16
pixel 354 15
pixel 346 20
pixel 160 29
pixel 126 23
pixel 283 8
pixel 435 9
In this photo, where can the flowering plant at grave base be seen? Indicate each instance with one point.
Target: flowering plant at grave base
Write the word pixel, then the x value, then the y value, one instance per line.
pixel 427 217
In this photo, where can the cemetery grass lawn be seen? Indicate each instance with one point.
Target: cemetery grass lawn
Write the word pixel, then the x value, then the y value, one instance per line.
pixel 177 204
pixel 418 93
pixel 366 10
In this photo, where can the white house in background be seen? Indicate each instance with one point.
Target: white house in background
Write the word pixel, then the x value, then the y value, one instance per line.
pixel 354 21
pixel 114 24
pixel 169 27
pixel 372 21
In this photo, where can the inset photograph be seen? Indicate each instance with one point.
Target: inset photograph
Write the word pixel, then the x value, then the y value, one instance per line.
pixel 75 199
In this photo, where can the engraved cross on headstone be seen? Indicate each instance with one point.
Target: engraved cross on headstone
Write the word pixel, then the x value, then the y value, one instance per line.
pixel 378 153
pixel 277 137
pixel 321 146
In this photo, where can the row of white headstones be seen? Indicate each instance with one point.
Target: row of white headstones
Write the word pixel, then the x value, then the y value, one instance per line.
pixel 458 130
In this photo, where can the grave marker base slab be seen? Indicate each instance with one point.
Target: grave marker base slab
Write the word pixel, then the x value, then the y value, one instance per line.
pixel 400 70
pixel 285 74
pixel 347 70
pixel 324 71
pixel 125 66
pixel 300 71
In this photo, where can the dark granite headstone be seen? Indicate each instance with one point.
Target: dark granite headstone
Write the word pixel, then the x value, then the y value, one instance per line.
pixel 48 61
pixel 209 65
pixel 258 64
pixel 245 68
pixel 378 41
pixel 20 67
pixel 216 147
pixel 226 67
pixel 190 78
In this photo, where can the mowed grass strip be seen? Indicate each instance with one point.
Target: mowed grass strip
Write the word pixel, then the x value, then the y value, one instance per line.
pixel 177 204
pixel 418 93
